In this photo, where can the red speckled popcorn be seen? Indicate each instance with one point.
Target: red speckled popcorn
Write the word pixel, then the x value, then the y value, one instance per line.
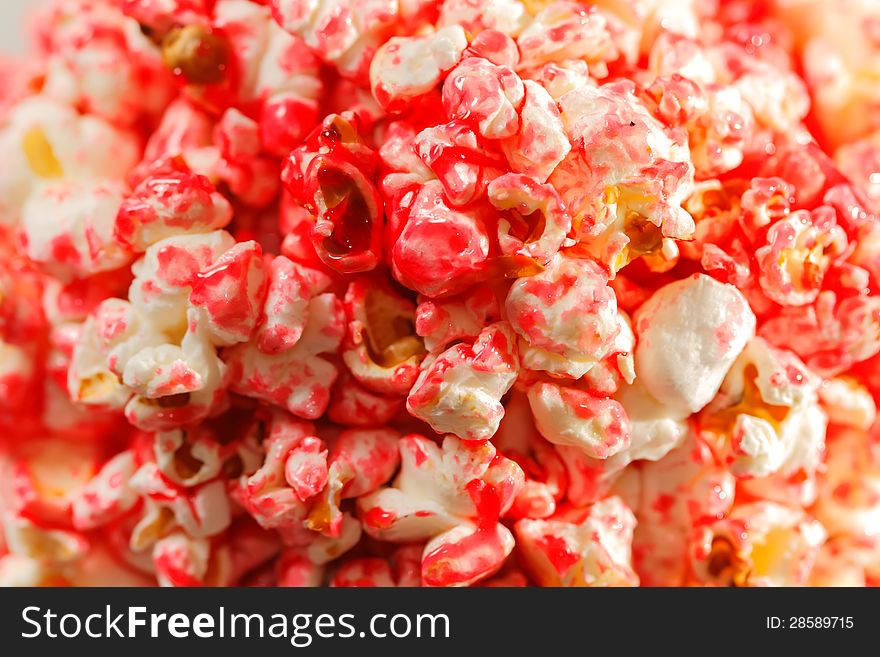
pixel 441 293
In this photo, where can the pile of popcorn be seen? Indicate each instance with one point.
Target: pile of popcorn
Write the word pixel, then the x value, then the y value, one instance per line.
pixel 441 293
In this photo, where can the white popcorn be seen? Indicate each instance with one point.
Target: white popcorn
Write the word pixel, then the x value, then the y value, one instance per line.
pixel 43 141
pixel 689 334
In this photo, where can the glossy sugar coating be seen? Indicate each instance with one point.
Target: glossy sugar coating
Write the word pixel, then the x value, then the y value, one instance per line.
pixel 441 293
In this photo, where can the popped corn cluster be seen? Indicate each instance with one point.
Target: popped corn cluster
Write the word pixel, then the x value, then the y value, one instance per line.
pixel 441 293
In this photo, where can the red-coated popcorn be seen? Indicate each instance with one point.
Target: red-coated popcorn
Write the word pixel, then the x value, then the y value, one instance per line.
pixel 298 379
pixel 458 238
pixel 566 316
pixel 849 487
pixel 459 391
pixel 759 544
pixel 623 197
pixel 451 495
pixel 587 547
pixel 471 292
pixel 382 351
pixel 167 204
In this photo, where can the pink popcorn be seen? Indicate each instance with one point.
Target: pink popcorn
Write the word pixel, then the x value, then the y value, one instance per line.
pixel 355 406
pixel 849 487
pixel 108 495
pixel 581 547
pixel 457 238
pixel 569 416
pixel 344 35
pixel 298 379
pixel 841 333
pixel 382 351
pixel 759 544
pixel 44 478
pixel 68 228
pixel 230 293
pixel 174 203
pixel 407 67
pixel 460 390
pixel 565 316
pixel 183 561
pixel 669 327
pixel 294 568
pixel 478 17
pixel 799 252
pixel 201 511
pixel 847 403
pixel 623 197
pixel 452 496
pixel 567 31
pixel 99 62
pixel 541 143
pixel 441 322
pixel 486 95
pixel 532 207
pixel 681 492
pixel 460 159
pixel 287 301
pixel 546 478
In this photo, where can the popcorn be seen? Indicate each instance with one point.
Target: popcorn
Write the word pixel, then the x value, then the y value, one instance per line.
pixel 383 353
pixel 169 204
pixel 777 424
pixel 457 238
pixel 452 496
pixel 569 416
pixel 42 140
pixel 462 293
pixel 297 379
pixel 588 547
pixel 683 353
pixel 407 67
pixel 460 390
pixel 566 316
pixel 848 491
pixel 760 544
pixel 623 197
pixel 68 228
